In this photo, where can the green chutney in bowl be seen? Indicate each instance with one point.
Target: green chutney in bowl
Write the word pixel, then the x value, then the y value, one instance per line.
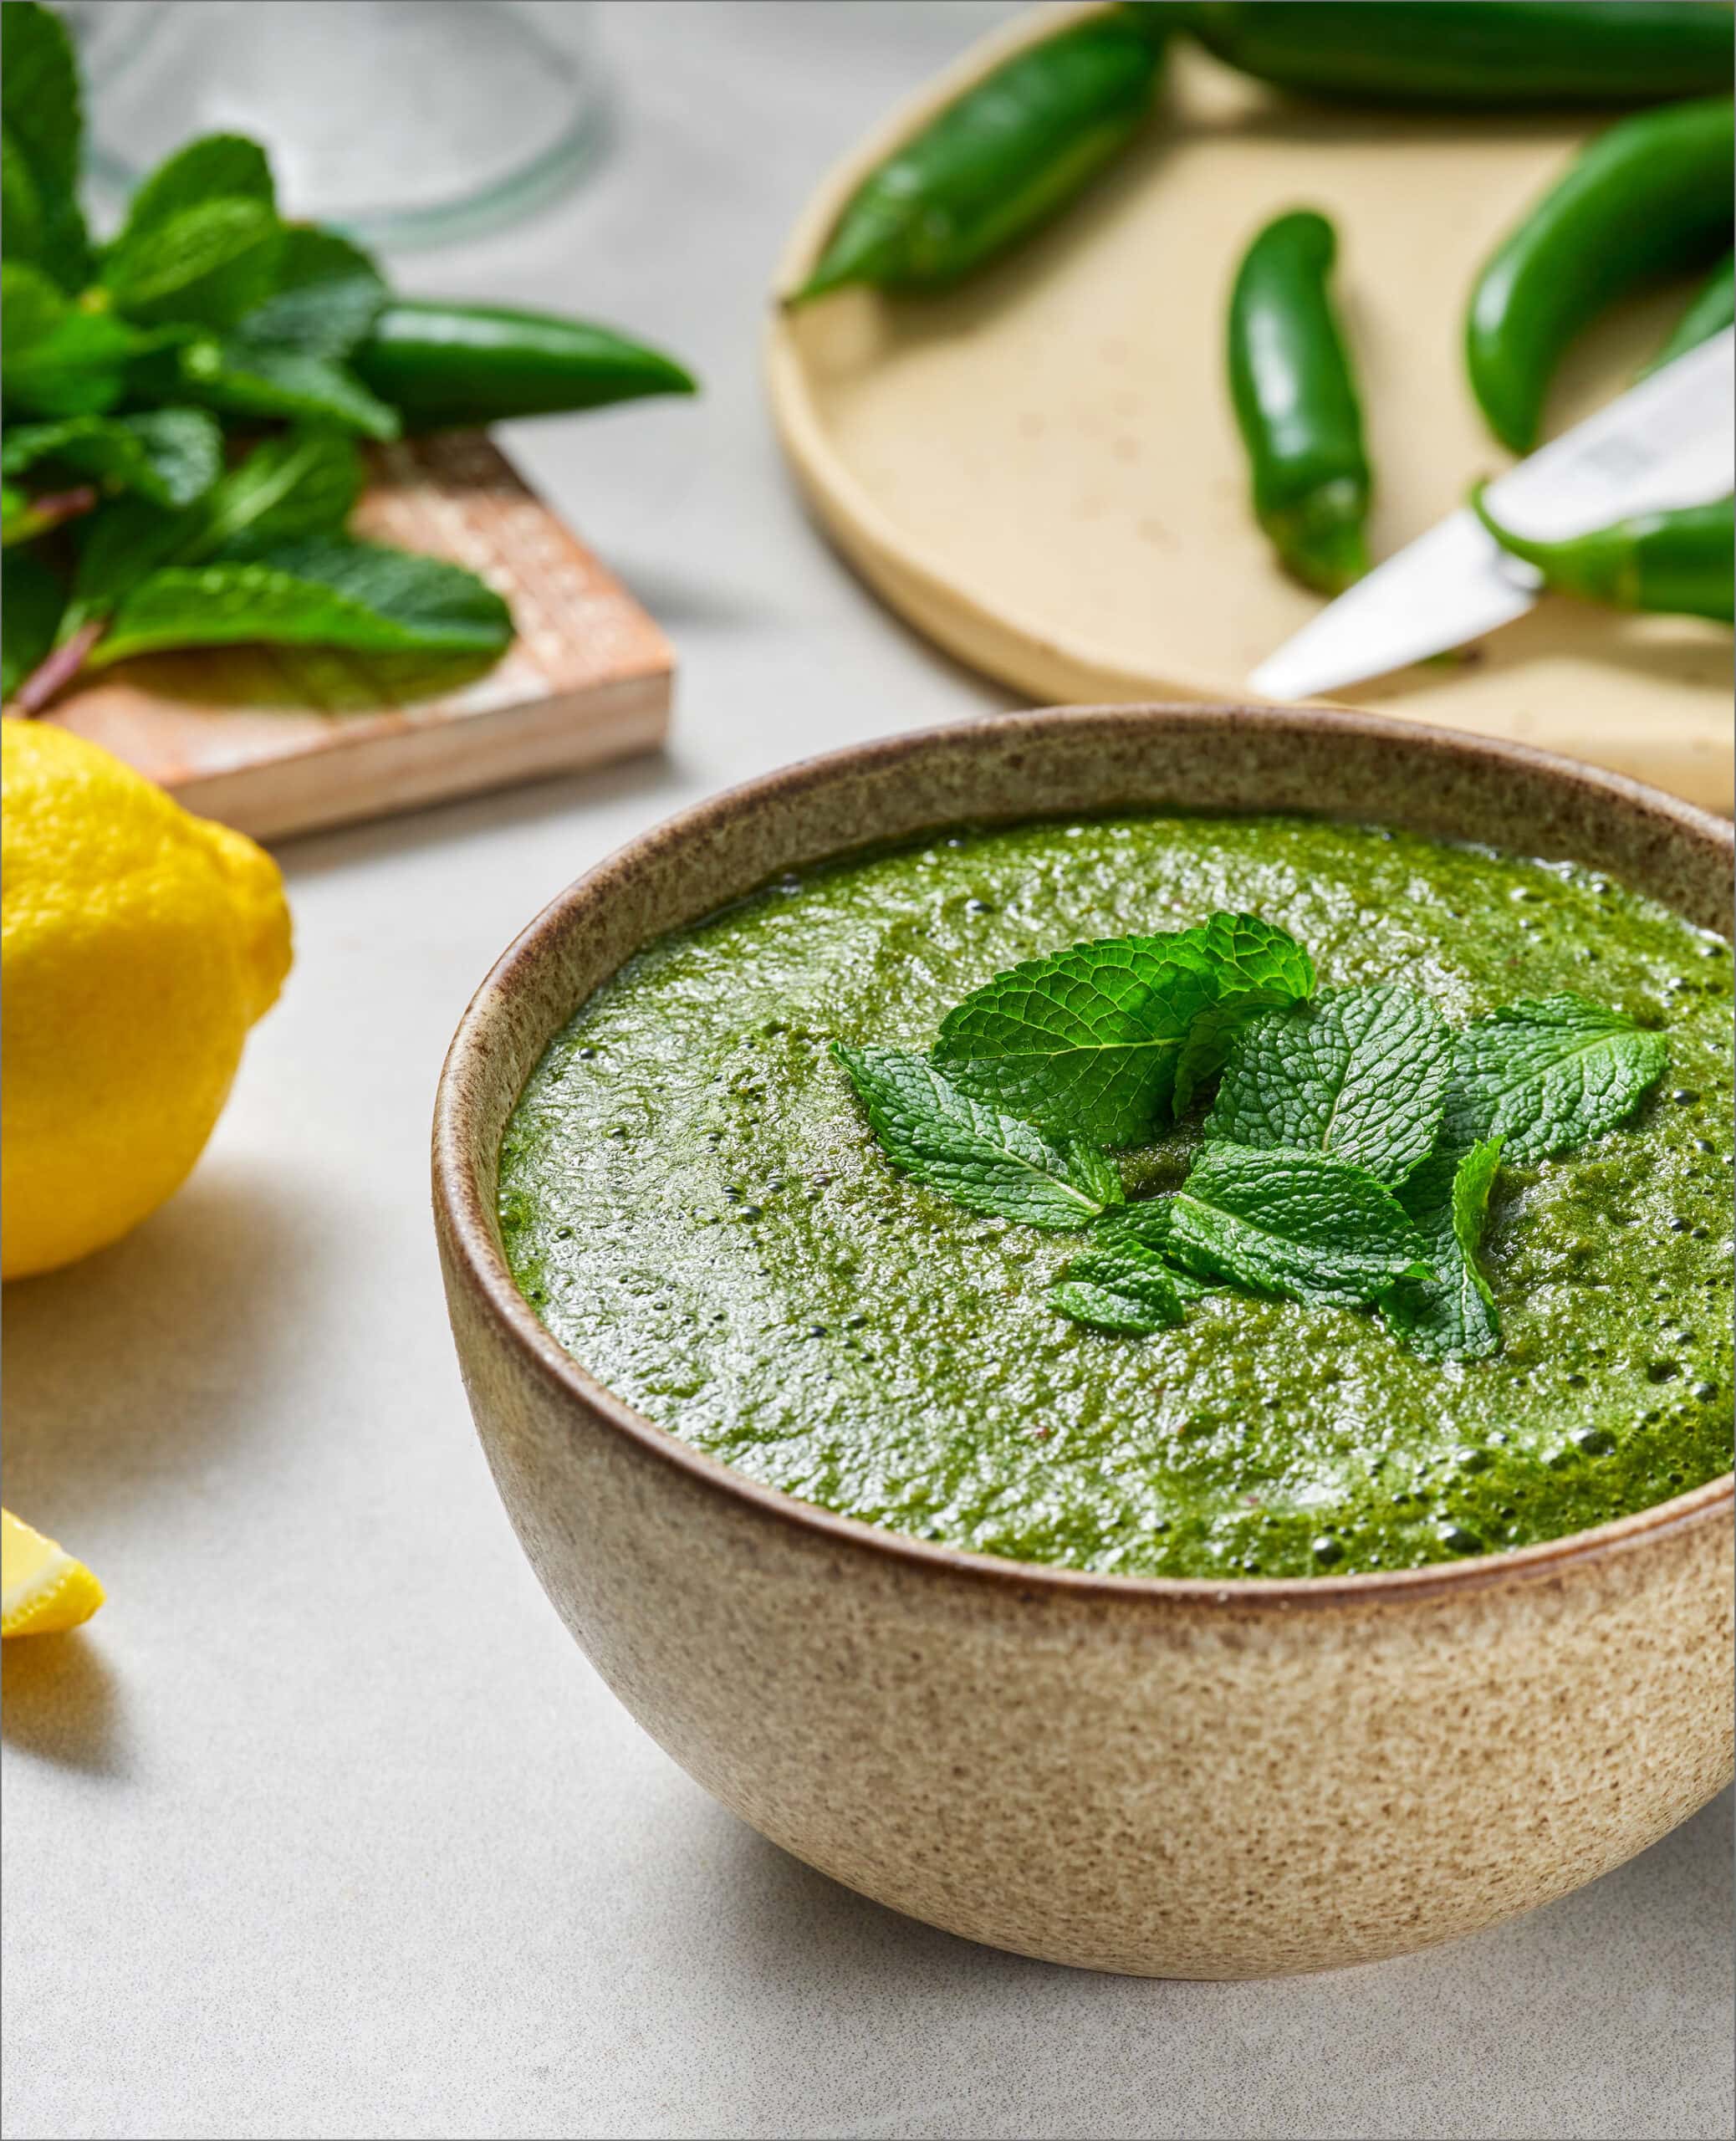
pixel 692 1200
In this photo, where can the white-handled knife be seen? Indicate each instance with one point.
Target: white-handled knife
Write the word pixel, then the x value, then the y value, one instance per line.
pixel 1670 440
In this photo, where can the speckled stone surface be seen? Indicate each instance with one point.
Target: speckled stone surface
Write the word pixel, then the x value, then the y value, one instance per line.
pixel 327 1828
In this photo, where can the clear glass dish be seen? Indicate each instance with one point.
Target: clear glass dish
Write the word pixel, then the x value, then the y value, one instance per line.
pixel 405 122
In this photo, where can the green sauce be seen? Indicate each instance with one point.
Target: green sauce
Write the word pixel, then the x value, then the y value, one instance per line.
pixel 692 1203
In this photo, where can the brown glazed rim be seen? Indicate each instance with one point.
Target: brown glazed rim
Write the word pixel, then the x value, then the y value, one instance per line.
pixel 477 1247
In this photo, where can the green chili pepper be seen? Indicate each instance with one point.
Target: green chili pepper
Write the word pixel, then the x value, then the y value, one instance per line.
pixel 1682 562
pixel 1711 309
pixel 1652 196
pixel 447 366
pixel 1479 53
pixel 1001 158
pixel 1296 403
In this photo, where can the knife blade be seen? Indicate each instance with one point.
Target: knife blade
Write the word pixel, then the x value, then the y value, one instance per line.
pixel 1670 440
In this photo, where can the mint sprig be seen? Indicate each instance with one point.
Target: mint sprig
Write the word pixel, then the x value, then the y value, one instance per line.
pixel 1351 1150
pixel 126 530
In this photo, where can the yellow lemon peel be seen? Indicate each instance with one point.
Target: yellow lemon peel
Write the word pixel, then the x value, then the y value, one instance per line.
pixel 137 946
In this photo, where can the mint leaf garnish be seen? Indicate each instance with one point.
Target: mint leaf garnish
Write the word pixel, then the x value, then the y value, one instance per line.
pixel 1361 1073
pixel 1451 1316
pixel 984 1160
pixel 1295 1223
pixel 1259 966
pixel 1120 1288
pixel 1141 1229
pixel 1086 1038
pixel 1089 1040
pixel 1548 1074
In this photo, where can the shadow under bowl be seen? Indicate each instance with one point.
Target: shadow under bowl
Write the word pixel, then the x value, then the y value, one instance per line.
pixel 1164 1777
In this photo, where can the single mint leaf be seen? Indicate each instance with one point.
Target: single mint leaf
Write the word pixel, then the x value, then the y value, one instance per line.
pixel 32 596
pixel 1260 967
pixel 40 109
pixel 1124 1289
pixel 982 1159
pixel 39 89
pixel 34 306
pixel 170 456
pixel 1451 1316
pixel 205 266
pixel 1548 1074
pixel 430 604
pixel 22 215
pixel 214 168
pixel 1094 1171
pixel 1295 1223
pixel 323 594
pixel 247 378
pixel 1084 1042
pixel 328 295
pixel 1361 1073
pixel 1088 1040
pixel 1141 1229
pixel 302 483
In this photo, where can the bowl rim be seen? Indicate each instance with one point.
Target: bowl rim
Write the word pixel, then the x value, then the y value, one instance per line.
pixel 478 1261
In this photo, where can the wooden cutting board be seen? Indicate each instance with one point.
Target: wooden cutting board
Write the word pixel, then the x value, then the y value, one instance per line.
pixel 279 740
pixel 1040 469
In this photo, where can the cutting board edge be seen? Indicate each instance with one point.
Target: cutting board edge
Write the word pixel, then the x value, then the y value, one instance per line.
pixel 379 775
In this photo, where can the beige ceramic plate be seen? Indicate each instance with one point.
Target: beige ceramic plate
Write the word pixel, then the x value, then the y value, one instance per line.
pixel 1040 471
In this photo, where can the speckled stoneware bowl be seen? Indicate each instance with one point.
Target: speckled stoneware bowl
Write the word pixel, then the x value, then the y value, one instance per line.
pixel 1178 1779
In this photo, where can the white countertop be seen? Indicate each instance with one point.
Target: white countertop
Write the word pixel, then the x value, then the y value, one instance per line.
pixel 324 1826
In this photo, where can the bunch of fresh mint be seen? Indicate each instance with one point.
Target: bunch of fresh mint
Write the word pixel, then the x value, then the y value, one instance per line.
pixel 1347 1155
pixel 125 528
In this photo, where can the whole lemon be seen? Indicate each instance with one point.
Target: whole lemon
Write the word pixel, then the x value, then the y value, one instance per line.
pixel 137 945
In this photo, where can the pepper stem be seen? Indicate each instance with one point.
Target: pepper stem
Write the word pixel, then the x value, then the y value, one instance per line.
pixel 1542 555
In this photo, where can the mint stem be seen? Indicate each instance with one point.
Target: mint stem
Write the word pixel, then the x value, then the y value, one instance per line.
pixel 57 670
pixel 54 509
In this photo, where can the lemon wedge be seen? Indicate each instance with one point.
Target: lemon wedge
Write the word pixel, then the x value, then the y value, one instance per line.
pixel 43 1589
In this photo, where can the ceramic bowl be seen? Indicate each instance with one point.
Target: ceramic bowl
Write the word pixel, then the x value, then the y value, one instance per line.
pixel 1164 1777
